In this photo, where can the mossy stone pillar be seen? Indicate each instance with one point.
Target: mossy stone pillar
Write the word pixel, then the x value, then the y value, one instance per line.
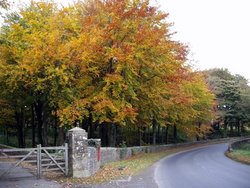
pixel 78 153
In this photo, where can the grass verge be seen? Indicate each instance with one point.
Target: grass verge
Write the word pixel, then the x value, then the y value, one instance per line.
pixel 241 154
pixel 115 170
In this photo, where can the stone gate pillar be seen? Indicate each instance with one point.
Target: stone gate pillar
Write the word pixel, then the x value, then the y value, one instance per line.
pixel 78 152
pixel 84 153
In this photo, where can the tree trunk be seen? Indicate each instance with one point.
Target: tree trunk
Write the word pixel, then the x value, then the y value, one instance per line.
pixel 6 134
pixel 20 128
pixel 242 127
pixel 148 137
pixel 45 125
pixel 42 117
pixel 140 136
pixel 85 124
pixel 104 130
pixel 144 135
pixel 33 127
pixel 175 134
pixel 111 135
pixel 91 126
pixel 167 135
pixel 39 115
pixel 60 137
pixel 114 135
pixel 225 128
pixel 55 131
pixel 158 134
pixel 219 129
pixel 55 135
pixel 154 131
pixel 162 135
pixel 239 128
pixel 198 131
pixel 231 129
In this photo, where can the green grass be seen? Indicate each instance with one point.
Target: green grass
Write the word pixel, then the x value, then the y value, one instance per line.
pixel 242 154
pixel 245 147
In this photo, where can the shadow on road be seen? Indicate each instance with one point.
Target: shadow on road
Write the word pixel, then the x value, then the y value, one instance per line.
pixel 23 178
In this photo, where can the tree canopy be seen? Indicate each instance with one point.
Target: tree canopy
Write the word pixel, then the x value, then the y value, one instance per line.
pixel 232 94
pixel 109 63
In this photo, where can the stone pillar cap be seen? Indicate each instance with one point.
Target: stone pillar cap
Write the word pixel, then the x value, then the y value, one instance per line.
pixel 76 129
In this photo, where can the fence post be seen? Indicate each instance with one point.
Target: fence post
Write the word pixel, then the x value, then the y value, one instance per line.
pixel 66 159
pixel 39 161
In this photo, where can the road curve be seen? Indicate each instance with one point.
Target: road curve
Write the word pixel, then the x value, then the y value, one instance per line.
pixel 205 167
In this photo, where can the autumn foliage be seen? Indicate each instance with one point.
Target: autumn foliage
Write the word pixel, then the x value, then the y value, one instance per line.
pixel 100 64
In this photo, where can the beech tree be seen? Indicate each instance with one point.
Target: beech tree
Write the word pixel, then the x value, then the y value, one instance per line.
pixel 190 104
pixel 101 64
pixel 129 55
pixel 28 64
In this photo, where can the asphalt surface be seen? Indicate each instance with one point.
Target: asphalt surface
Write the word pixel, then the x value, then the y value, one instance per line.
pixel 205 167
pixel 22 178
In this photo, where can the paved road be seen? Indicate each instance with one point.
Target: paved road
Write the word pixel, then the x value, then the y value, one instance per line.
pixel 205 167
pixel 23 178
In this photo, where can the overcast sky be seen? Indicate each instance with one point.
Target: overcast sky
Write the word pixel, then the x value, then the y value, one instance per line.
pixel 217 31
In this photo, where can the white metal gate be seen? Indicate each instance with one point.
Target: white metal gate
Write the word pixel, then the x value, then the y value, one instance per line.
pixel 42 159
